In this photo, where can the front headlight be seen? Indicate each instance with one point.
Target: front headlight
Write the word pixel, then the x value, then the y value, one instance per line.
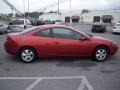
pixel 114 43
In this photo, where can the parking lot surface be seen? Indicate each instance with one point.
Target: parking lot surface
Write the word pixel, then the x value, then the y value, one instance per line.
pixel 101 76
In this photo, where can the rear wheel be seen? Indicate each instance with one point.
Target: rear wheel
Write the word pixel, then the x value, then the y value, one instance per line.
pixel 27 55
pixel 100 54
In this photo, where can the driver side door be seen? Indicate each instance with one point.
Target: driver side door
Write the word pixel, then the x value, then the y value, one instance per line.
pixel 67 43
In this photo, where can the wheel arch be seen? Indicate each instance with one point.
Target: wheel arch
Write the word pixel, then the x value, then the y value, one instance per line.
pixel 101 45
pixel 27 46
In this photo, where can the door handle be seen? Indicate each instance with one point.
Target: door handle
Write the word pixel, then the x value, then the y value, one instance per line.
pixel 57 43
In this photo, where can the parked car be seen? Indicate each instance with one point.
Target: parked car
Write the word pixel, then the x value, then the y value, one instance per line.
pixel 3 28
pixel 58 40
pixel 98 27
pixel 58 22
pixel 16 25
pixel 116 28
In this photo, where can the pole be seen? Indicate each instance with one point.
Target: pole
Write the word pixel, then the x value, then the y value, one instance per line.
pixel 12 12
pixel 70 11
pixel 28 8
pixel 24 9
pixel 58 6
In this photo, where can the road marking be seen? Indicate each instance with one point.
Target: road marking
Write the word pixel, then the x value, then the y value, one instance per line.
pixel 34 84
pixel 82 85
pixel 67 77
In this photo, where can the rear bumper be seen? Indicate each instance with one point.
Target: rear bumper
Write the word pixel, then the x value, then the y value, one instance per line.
pixel 99 30
pixel 116 30
pixel 11 48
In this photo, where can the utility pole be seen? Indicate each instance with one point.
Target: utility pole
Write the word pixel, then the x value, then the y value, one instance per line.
pixel 24 9
pixel 70 11
pixel 28 8
pixel 58 6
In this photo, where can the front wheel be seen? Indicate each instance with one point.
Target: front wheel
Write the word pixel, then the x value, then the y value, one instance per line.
pixel 100 54
pixel 27 55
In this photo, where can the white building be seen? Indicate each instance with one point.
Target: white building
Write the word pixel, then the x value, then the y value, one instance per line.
pixel 106 16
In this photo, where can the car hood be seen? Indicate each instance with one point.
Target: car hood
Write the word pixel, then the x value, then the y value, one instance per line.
pixel 101 39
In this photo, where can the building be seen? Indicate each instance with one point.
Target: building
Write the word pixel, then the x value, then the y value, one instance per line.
pixel 106 16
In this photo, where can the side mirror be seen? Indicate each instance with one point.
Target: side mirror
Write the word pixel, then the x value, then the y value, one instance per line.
pixel 83 38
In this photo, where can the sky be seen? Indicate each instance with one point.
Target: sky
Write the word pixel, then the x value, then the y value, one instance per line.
pixel 75 5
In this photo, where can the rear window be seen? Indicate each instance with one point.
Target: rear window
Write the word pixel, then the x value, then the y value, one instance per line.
pixel 117 24
pixel 118 21
pixel 97 26
pixel 16 22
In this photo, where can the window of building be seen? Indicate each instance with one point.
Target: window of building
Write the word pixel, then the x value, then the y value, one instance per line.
pixel 96 19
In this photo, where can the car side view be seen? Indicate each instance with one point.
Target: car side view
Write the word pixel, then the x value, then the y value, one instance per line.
pixel 58 40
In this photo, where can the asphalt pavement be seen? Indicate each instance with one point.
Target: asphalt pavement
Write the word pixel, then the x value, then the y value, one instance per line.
pixel 61 73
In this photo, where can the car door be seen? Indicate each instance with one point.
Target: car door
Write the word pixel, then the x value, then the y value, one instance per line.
pixel 68 43
pixel 44 42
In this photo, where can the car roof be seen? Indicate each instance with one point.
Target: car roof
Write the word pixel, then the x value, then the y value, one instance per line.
pixel 19 19
pixel 53 26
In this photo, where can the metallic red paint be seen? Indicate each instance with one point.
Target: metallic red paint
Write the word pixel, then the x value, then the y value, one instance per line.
pixel 49 46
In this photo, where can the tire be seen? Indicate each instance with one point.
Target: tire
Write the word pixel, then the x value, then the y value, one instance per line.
pixel 100 54
pixel 27 55
pixel 92 30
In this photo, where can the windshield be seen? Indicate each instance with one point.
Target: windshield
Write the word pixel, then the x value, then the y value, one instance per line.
pixel 16 22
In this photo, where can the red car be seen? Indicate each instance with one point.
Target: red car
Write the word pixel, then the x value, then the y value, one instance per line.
pixel 58 40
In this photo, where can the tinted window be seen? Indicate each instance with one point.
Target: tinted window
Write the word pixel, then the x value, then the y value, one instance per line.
pixel 97 26
pixel 16 22
pixel 65 33
pixel 44 33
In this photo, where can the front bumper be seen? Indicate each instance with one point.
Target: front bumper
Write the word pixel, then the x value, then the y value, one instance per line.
pixel 114 49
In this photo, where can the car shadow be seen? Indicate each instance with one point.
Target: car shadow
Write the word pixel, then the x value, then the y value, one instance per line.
pixel 73 62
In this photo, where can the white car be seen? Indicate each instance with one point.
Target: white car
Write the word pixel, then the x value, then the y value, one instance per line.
pixel 116 28
pixel 16 25
pixel 3 27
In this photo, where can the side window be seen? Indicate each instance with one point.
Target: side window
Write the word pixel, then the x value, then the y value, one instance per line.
pixel 27 22
pixel 44 33
pixel 65 33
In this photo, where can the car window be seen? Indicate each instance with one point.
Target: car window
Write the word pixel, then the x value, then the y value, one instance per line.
pixel 27 22
pixel 117 24
pixel 16 22
pixel 44 33
pixel 65 33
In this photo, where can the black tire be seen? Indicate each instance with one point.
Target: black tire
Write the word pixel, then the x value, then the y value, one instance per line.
pixel 27 55
pixel 100 54
pixel 92 30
